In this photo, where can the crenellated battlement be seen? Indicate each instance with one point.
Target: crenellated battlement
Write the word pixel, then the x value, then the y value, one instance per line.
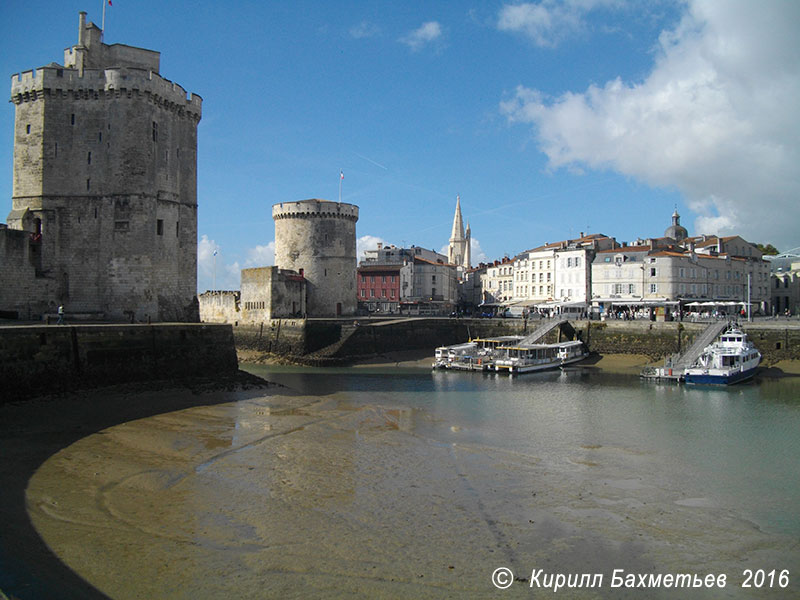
pixel 31 85
pixel 310 209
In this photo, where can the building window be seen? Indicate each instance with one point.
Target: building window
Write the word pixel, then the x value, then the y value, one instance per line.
pixel 88 184
pixel 653 288
pixel 372 293
pixel 160 226
pixel 653 272
pixel 155 131
pixel 88 158
pixel 177 228
pixel 384 279
pixel 372 278
pixel 100 136
pixel 383 293
pixel 363 293
pixel 72 119
pixel 363 279
pixel 28 129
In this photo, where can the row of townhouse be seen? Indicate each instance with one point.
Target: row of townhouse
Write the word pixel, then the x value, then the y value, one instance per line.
pixel 682 277
pixel 392 280
pixel 590 274
pixel 595 273
pixel 553 275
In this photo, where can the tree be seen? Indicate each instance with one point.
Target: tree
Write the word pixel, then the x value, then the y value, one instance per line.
pixel 768 250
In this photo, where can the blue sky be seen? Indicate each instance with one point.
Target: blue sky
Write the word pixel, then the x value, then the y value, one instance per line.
pixel 547 118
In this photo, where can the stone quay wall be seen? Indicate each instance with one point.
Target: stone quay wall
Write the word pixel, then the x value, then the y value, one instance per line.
pixel 341 340
pixel 42 359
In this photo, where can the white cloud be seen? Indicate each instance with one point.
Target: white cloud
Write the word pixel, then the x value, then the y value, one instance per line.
pixel 425 34
pixel 368 242
pixel 476 252
pixel 717 118
pixel 549 21
pixel 212 271
pixel 261 256
pixel 365 29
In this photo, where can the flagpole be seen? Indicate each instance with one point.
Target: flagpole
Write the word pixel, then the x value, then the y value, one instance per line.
pixel 341 176
pixel 103 22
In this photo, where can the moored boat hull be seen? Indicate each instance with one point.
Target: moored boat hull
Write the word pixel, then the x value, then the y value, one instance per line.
pixel 719 378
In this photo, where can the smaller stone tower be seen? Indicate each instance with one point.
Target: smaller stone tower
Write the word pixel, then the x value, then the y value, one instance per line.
pixel 317 238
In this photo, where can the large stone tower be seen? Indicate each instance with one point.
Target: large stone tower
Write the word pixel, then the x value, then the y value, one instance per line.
pixel 318 239
pixel 105 179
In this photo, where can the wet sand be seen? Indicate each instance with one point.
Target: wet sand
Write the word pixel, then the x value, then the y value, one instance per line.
pixel 269 494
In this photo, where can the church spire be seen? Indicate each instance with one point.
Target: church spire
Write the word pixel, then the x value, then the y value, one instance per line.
pixel 458 223
pixel 458 252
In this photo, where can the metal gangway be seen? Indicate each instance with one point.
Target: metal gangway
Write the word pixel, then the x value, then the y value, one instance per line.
pixel 542 331
pixel 710 333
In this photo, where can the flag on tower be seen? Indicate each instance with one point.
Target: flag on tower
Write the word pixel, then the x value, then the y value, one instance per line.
pixel 341 175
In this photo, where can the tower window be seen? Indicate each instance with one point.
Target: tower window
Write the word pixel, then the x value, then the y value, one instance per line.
pixel 28 128
pixel 72 119
pixel 100 136
pixel 177 228
pixel 55 150
pixel 155 131
pixel 88 184
pixel 89 158
pixel 160 226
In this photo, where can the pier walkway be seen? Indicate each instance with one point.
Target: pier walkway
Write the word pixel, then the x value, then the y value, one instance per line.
pixel 542 331
pixel 710 333
pixel 676 365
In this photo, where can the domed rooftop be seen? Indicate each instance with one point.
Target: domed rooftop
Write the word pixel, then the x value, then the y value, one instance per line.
pixel 676 231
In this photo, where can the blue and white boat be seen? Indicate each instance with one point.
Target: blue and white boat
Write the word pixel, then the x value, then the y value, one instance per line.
pixel 731 359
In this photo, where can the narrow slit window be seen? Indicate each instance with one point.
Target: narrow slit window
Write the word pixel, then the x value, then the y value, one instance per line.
pixel 160 226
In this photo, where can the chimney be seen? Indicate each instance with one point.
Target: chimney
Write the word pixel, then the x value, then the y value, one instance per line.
pixel 380 245
pixel 81 27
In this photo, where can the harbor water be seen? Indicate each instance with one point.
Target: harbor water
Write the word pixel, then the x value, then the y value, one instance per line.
pixel 407 483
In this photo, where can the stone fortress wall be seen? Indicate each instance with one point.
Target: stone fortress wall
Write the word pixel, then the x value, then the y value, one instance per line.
pixel 317 238
pixel 105 183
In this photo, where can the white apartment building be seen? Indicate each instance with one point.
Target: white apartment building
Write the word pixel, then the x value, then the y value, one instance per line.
pixel 499 282
pixel 534 275
pixel 558 275
pixel 647 276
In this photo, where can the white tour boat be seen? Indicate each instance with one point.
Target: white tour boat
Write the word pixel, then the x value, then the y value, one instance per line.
pixel 730 360
pixel 537 357
pixel 570 352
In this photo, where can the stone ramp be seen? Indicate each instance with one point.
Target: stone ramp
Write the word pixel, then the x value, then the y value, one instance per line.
pixel 542 331
pixel 710 333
